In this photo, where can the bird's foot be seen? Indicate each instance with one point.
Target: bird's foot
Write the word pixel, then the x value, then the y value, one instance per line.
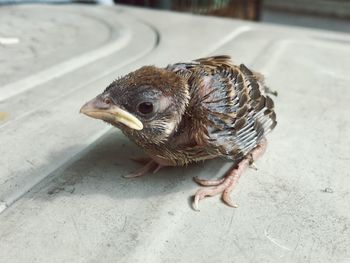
pixel 222 186
pixel 225 185
pixel 148 167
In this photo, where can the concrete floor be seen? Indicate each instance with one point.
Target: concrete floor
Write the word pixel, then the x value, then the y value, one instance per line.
pixel 62 194
pixel 304 20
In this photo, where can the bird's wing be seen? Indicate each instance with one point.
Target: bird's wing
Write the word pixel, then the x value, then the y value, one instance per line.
pixel 234 111
pixel 185 68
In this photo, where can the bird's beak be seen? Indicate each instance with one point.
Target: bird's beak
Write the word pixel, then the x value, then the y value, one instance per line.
pixel 98 109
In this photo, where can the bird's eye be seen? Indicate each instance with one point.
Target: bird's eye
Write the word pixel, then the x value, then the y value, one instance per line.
pixel 145 108
pixel 107 101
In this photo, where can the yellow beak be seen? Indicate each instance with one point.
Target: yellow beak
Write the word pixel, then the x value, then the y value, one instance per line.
pixel 97 109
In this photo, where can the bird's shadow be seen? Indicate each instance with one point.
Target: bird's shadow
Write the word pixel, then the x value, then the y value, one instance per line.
pixel 99 170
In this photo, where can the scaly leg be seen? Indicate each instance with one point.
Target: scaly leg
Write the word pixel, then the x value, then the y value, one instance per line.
pixel 225 185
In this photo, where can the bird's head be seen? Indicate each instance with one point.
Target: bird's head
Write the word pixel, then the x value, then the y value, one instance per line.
pixel 147 104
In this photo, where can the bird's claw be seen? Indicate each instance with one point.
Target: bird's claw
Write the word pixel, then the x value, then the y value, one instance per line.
pixel 204 192
pixel 200 194
pixel 227 199
pixel 195 203
pixel 225 185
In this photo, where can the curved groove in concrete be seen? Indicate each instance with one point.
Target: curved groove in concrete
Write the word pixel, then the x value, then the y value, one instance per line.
pixel 57 71
pixel 41 77
pixel 125 35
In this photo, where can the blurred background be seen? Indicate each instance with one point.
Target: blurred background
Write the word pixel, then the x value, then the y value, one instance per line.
pixel 323 14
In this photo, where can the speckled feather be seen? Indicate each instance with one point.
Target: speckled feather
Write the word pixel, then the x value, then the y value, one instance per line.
pixel 228 113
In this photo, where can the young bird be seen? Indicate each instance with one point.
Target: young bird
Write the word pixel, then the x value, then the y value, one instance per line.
pixel 190 112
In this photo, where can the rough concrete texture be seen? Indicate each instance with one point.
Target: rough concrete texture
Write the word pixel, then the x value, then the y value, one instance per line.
pixel 62 194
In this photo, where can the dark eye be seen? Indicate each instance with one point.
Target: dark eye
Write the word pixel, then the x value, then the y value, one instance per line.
pixel 145 108
pixel 107 101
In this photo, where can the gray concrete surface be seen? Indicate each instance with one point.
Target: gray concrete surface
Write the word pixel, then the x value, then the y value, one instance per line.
pixel 305 20
pixel 334 8
pixel 339 8
pixel 63 198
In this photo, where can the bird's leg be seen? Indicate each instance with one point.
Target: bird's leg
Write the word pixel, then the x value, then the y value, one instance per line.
pixel 225 185
pixel 151 165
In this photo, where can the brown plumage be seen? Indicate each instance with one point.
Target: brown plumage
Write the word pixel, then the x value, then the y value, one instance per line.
pixel 190 112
